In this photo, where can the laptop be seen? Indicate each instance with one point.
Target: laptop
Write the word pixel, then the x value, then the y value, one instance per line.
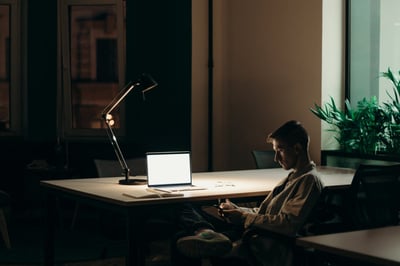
pixel 170 171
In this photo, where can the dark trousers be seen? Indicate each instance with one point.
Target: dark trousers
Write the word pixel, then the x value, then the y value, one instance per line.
pixel 193 218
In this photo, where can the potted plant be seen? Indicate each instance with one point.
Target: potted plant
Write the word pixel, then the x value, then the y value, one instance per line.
pixel 369 128
pixel 393 108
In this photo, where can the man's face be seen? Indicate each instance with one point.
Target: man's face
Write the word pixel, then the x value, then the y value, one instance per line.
pixel 286 155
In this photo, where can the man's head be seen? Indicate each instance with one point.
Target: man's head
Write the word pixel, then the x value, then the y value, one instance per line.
pixel 290 142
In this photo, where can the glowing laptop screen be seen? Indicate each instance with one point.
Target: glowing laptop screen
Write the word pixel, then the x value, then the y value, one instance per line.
pixel 168 168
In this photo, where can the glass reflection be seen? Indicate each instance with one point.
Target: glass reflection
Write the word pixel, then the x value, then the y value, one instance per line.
pixel 94 63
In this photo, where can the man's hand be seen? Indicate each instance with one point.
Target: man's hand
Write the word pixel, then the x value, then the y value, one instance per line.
pixel 231 212
pixel 233 215
pixel 227 205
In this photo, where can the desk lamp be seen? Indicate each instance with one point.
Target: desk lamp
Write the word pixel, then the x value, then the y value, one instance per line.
pixel 144 84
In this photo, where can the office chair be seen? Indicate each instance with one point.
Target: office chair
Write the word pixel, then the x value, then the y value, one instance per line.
pixel 374 196
pixel 112 168
pixel 138 166
pixel 4 204
pixel 158 225
pixel 264 159
pixel 294 255
pixel 108 168
pixel 373 200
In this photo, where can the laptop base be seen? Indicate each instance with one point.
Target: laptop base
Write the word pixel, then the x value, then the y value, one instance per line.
pixel 132 182
pixel 178 188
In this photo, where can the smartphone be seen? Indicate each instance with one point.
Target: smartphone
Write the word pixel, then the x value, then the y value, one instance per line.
pixel 217 206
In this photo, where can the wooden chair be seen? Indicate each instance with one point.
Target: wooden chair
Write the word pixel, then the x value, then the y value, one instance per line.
pixel 4 204
pixel 264 159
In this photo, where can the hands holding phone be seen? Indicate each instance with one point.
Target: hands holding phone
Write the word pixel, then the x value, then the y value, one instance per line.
pixel 230 212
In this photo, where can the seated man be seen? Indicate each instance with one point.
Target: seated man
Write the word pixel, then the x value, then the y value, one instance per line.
pixel 284 210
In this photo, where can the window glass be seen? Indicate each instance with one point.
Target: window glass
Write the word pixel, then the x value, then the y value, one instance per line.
pixel 374 41
pixel 93 63
pixel 4 67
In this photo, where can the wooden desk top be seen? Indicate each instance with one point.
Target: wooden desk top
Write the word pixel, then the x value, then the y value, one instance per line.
pixel 219 184
pixel 380 245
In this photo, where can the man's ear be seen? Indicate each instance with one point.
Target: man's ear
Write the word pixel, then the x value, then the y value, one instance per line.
pixel 297 148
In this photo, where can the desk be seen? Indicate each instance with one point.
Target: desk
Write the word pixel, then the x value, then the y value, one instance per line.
pixel 380 246
pixel 108 194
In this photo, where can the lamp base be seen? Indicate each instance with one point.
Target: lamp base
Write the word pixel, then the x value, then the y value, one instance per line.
pixel 132 182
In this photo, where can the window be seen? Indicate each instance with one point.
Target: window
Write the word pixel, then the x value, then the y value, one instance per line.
pixel 93 48
pixel 373 47
pixel 10 68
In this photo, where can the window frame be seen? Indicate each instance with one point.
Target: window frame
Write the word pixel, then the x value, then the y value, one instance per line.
pixel 16 68
pixel 64 113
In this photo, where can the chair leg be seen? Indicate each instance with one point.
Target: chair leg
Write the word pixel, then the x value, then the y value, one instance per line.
pixel 4 229
pixel 74 216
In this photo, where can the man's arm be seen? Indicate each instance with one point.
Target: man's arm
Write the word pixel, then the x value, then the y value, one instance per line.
pixel 297 202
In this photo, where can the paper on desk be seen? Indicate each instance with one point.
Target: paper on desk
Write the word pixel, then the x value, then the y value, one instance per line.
pixel 148 193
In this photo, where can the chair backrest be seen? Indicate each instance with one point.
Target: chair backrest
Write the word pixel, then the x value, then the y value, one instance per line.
pixel 4 199
pixel 374 196
pixel 264 159
pixel 289 253
pixel 137 166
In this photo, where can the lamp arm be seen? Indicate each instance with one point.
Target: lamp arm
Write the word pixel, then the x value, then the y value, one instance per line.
pixel 147 83
pixel 117 149
pixel 118 98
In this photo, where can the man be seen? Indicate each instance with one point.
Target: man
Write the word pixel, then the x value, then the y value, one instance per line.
pixel 284 210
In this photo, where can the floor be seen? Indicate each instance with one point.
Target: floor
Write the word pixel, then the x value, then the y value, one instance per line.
pixel 93 241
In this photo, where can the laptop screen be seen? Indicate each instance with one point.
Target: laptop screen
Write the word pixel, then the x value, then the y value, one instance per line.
pixel 168 168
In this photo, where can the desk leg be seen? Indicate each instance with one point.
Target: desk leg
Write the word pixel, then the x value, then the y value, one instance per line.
pixel 135 255
pixel 50 218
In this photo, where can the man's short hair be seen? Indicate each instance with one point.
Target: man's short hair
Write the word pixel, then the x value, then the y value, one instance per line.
pixel 291 132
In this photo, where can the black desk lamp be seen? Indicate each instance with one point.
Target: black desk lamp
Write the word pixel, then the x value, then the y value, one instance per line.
pixel 144 84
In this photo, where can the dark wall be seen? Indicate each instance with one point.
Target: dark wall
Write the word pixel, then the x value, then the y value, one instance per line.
pixel 159 43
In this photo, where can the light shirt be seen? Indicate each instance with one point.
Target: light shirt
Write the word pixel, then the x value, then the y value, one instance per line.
pixel 287 207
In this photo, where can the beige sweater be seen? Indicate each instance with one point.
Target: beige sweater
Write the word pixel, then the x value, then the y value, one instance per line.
pixel 287 207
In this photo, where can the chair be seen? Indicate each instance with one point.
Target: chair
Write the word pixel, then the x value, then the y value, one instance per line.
pixel 4 203
pixel 137 166
pixel 106 168
pixel 299 256
pixel 374 196
pixel 110 168
pixel 157 227
pixel 264 159
pixel 373 200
